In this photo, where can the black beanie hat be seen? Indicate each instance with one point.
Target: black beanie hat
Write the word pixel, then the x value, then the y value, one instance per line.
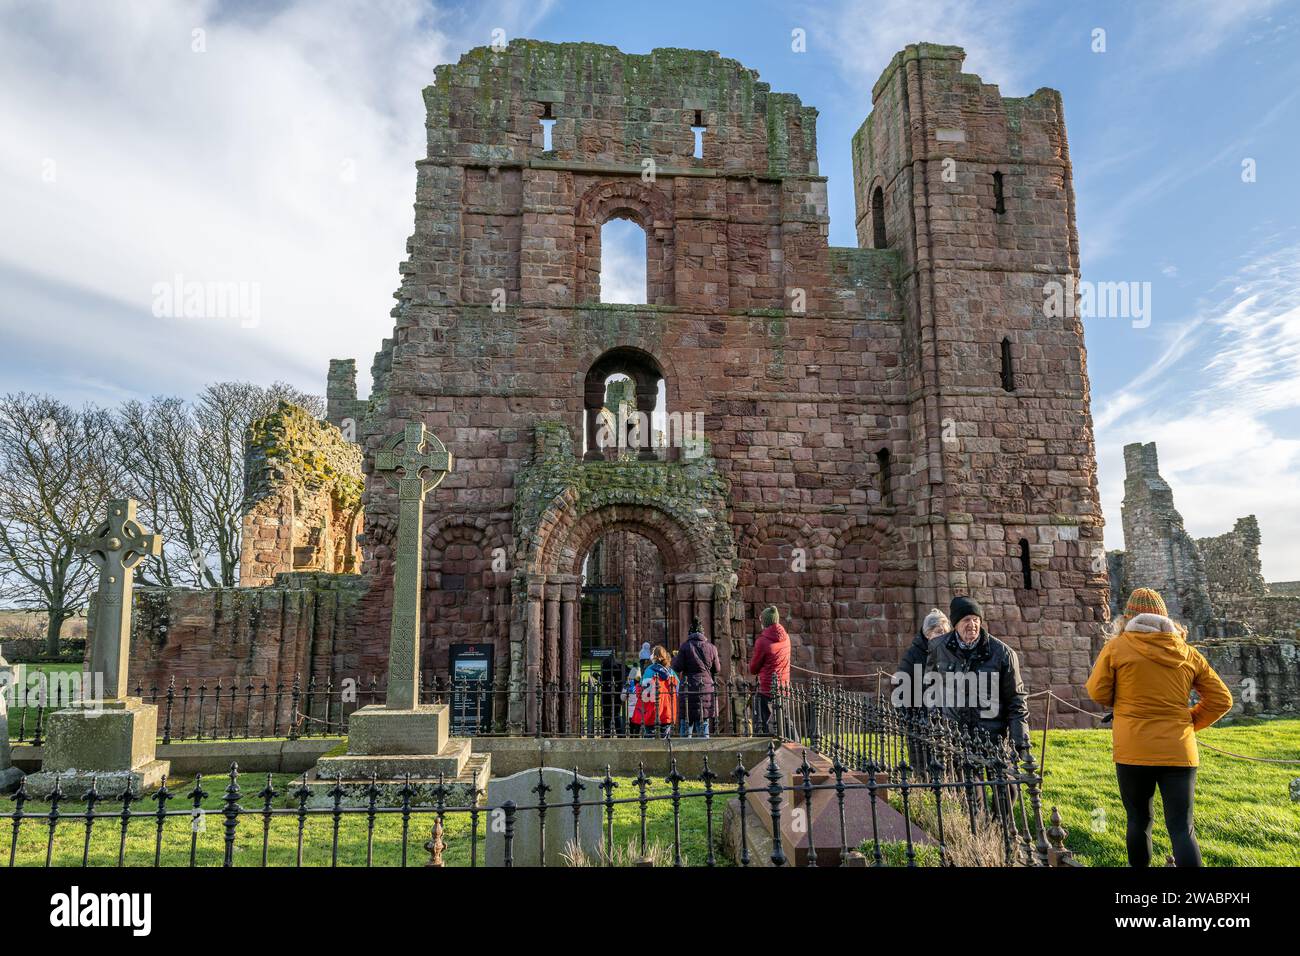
pixel 963 607
pixel 695 626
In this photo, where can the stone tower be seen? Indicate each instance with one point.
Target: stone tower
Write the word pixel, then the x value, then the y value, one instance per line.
pixel 974 190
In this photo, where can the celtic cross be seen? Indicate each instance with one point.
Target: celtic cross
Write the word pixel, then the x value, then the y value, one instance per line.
pixel 423 463
pixel 116 547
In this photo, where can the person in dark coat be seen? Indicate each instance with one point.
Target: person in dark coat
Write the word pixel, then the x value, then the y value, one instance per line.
pixel 970 648
pixel 1001 707
pixel 909 679
pixel 613 674
pixel 697 666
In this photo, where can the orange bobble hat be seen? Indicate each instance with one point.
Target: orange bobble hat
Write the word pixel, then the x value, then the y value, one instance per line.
pixel 1146 601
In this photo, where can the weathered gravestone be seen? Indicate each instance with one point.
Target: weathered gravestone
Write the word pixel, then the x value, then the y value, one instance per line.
pixel 403 737
pixel 558 832
pixel 9 774
pixel 110 738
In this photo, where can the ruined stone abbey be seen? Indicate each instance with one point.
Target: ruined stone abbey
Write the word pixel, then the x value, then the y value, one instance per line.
pixel 882 427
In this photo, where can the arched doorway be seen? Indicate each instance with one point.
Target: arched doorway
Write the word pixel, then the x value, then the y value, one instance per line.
pixel 623 605
pixel 668 568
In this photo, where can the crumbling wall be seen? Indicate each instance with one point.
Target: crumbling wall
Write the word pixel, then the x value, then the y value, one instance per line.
pixel 1263 675
pixel 1160 553
pixel 301 627
pixel 302 498
pixel 1232 564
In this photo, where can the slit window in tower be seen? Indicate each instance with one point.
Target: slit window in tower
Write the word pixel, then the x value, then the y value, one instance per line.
pixel 1008 370
pixel 699 129
pixel 878 218
pixel 999 203
pixel 548 124
pixel 1026 571
pixel 882 466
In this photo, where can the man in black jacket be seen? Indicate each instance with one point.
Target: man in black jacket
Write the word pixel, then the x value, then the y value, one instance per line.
pixel 1001 703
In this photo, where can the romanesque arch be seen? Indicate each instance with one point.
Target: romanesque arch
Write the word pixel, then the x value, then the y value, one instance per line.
pixel 698 564
pixel 647 206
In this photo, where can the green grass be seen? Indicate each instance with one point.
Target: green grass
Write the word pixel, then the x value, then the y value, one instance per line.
pixel 69 835
pixel 17 715
pixel 1244 814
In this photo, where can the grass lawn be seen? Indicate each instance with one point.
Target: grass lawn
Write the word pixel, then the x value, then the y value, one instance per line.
pixel 1244 814
pixel 69 835
pixel 25 717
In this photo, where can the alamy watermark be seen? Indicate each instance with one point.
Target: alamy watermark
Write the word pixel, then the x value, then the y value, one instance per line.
pixel 1098 300
pixel 631 430
pixel 187 299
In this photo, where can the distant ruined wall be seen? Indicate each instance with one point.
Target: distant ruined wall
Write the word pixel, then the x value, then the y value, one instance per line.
pixel 302 626
pixel 302 498
pixel 1248 630
pixel 1159 553
pixel 1264 676
pixel 1232 564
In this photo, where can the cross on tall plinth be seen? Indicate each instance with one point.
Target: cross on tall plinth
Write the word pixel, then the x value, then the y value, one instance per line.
pixel 116 547
pixel 423 463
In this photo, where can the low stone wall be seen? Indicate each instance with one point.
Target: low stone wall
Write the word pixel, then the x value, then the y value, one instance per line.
pixel 509 755
pixel 1263 675
pixel 211 757
pixel 621 755
pixel 261 635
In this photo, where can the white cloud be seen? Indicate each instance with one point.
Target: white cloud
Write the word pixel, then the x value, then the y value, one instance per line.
pixel 864 36
pixel 283 156
pixel 1214 401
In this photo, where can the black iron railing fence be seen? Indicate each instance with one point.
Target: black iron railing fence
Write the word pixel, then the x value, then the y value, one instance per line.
pixel 232 709
pixel 994 791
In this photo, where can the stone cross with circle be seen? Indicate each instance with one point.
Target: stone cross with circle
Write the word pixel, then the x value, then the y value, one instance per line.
pixel 413 472
pixel 116 547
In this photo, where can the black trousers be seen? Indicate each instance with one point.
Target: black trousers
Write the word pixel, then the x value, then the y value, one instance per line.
pixel 1137 788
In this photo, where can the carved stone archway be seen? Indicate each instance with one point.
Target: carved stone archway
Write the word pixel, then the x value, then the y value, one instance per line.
pixel 680 508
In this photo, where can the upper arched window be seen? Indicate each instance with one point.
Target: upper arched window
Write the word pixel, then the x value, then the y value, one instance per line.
pixel 623 254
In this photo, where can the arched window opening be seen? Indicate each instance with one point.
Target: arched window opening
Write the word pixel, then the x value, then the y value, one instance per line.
pixel 999 205
pixel 1008 370
pixel 883 476
pixel 878 218
pixel 699 129
pixel 548 124
pixel 623 253
pixel 1026 572
pixel 625 411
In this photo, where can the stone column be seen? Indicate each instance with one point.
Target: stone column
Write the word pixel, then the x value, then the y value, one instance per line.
pixel 533 655
pixel 569 664
pixel 551 688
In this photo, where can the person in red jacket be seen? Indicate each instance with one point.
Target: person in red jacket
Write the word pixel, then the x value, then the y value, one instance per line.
pixel 771 662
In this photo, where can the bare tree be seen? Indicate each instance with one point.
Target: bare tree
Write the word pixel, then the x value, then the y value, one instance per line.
pixel 58 469
pixel 187 463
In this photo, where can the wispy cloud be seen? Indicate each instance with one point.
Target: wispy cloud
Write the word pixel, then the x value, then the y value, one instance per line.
pixel 269 145
pixel 1210 401
pixel 864 35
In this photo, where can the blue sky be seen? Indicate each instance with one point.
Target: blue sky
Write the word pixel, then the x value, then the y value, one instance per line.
pixel 273 144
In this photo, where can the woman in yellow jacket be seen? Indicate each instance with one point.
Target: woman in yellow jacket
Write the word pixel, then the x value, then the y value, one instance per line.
pixel 1146 672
